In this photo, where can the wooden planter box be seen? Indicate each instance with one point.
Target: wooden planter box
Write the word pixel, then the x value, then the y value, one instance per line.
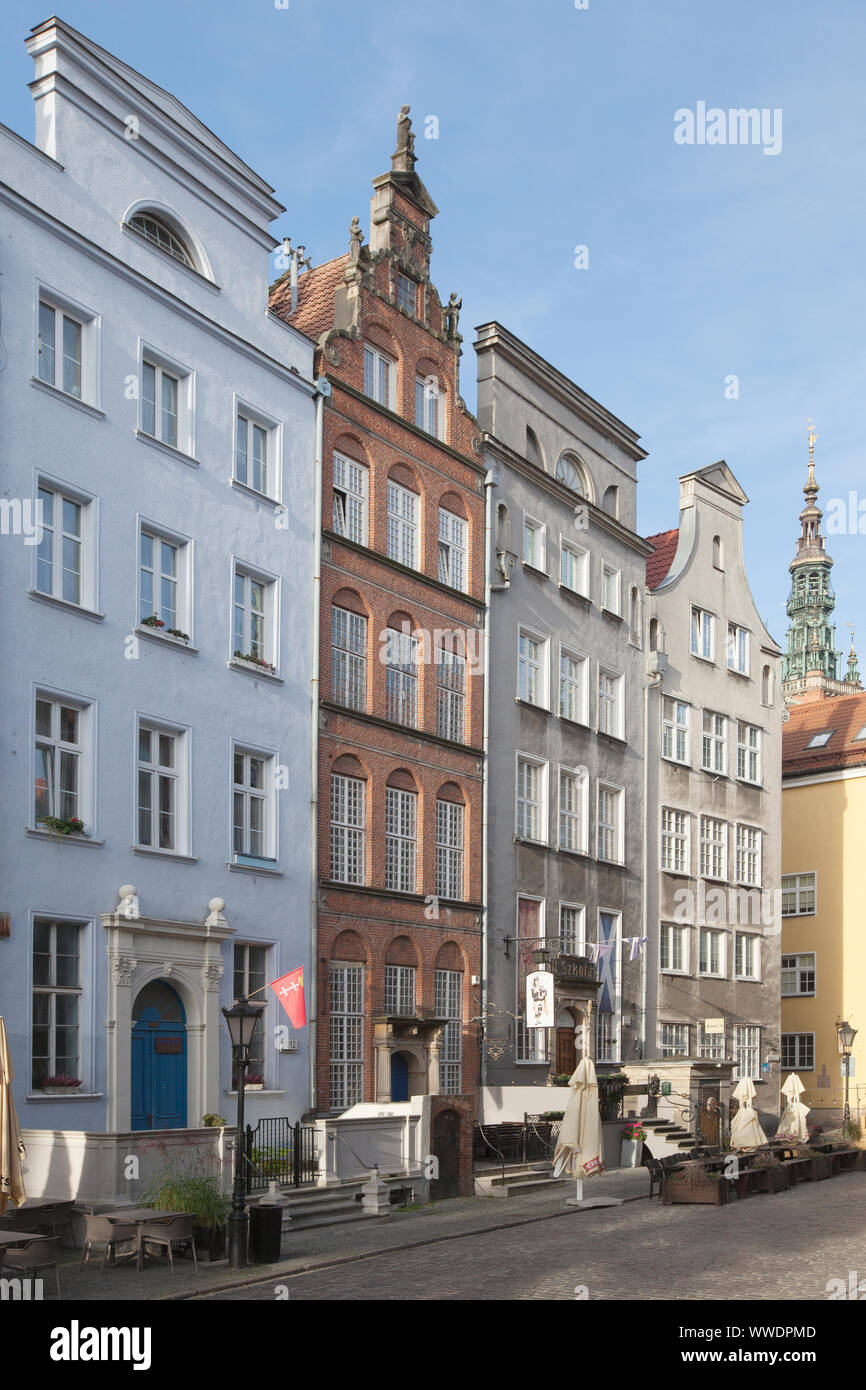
pixel 712 1193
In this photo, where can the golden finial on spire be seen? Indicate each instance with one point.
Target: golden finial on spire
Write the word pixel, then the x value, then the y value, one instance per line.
pixel 811 485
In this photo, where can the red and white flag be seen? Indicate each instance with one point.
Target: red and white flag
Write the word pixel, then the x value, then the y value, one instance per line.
pixel 289 989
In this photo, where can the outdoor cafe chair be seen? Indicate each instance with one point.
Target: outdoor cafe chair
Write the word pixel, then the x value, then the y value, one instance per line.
pixel 56 1217
pixel 34 1255
pixel 175 1230
pixel 101 1231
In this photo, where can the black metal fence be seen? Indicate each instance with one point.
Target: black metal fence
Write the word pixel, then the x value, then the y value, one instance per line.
pixel 278 1151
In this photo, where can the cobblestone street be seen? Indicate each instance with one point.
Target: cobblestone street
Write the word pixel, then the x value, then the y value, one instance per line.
pixel 786 1246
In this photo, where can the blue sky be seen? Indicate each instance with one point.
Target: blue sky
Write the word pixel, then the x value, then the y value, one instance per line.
pixel 556 130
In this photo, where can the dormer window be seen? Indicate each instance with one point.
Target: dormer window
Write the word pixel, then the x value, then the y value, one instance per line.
pixel 159 234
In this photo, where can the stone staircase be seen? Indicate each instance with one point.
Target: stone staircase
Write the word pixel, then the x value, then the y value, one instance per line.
pixel 332 1206
pixel 665 1137
pixel 517 1179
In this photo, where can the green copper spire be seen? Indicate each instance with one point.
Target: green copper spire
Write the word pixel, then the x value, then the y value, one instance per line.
pixel 811 638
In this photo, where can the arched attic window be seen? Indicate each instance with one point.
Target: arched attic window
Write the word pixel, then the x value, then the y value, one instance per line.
pixel 157 231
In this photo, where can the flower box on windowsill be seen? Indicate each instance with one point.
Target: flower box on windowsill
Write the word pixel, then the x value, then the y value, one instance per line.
pixel 60 1086
pixel 254 1086
pixel 255 668
pixel 58 825
pixel 174 636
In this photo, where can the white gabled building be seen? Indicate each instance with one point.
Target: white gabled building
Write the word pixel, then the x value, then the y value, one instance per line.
pixel 158 625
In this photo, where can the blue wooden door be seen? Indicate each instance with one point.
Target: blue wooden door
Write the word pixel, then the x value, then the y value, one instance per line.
pixel 399 1077
pixel 158 1081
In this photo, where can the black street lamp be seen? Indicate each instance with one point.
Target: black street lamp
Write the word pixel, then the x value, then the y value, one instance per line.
pixel 846 1035
pixel 242 1019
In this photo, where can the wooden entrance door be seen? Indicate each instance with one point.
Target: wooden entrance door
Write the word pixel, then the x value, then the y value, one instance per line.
pixel 709 1095
pixel 446 1147
pixel 566 1057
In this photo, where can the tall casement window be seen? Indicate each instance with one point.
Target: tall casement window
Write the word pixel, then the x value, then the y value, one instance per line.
pixel 379 377
pixel 251 454
pixel 160 403
pixel 401 675
pixel 452 549
pixel 60 349
pixel 351 498
pixel 401 837
pixel 712 952
pixel 675 730
pixel 400 990
pixel 673 949
pixel 402 525
pixel 160 582
pixel 609 841
pixel 249 977
pixel 531 1042
pixel 714 743
pixel 347 1034
pixel 56 1000
pixel 531 668
pixel 251 791
pixel 574 568
pixel 748 752
pixel 610 703
pixel 702 634
pixel 573 810
pixel 747 1052
pixel 407 293
pixel 747 956
pixel 160 787
pixel 533 543
pixel 348 828
pixel 798 1051
pixel 531 821
pixel 711 1046
pixel 59 556
pixel 429 411
pixel 749 855
pixel 573 693
pixel 450 695
pixel 798 974
pixel 738 649
pixel 674 1039
pixel 604 1037
pixel 611 589
pixel 798 895
pixel 58 782
pixel 714 848
pixel 254 625
pixel 450 815
pixel 572 929
pixel 448 1002
pixel 675 854
pixel 348 658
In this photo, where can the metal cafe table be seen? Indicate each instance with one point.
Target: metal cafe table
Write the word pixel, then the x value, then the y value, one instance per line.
pixel 9 1239
pixel 139 1216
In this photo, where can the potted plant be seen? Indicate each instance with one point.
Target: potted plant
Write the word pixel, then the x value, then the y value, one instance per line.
pixel 63 825
pixel 255 1081
pixel 194 1189
pixel 213 1121
pixel 253 660
pixel 60 1085
pixel 694 1183
pixel 631 1145
pixel 152 621
pixel 611 1089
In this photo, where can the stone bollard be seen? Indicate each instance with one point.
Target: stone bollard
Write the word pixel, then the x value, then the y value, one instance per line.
pixel 376 1200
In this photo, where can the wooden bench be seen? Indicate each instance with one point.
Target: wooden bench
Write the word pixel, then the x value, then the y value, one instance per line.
pixel 846 1160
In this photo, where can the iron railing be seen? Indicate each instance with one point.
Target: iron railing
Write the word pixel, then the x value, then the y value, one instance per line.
pixel 278 1151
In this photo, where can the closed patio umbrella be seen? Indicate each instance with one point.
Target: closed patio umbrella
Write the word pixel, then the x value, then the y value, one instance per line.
pixel 792 1125
pixel 11 1147
pixel 579 1148
pixel 746 1133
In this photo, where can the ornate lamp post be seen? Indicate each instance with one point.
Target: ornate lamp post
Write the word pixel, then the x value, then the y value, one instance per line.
pixel 846 1035
pixel 242 1019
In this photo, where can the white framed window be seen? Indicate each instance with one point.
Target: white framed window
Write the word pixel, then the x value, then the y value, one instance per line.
pixel 749 855
pixel 166 404
pixel 407 293
pixel 711 1046
pixel 747 1051
pixel 65 557
pixel 450 695
pixel 748 752
pixel 714 743
pixel 674 1039
pixel 67 346
pixel 254 616
pixel 574 568
pixel 164 580
pixel 738 649
pixel 799 895
pixel 401 677
pixel 380 377
pixel 162 787
pixel 256 451
pixel 714 847
pixel 675 848
pixel 161 235
pixel 351 499
pixel 57 995
pixel 605 1038
pixel 453 532
pixel 673 949
pixel 531 807
pixel 346 1034
pixel 534 547
pixel 675 730
pixel 400 990
pixel 611 689
pixel 798 974
pixel 711 952
pixel 253 804
pixel 403 508
pixel 348 658
pixel 611 589
pixel 63 760
pixel 747 956
pixel 532 668
pixel 448 1002
pixel 573 810
pixel 572 929
pixel 609 822
pixel 449 849
pixel 348 829
pixel 401 839
pixel 573 686
pixel 249 977
pixel 702 641
pixel 798 1051
pixel 429 406
pixel 532 1043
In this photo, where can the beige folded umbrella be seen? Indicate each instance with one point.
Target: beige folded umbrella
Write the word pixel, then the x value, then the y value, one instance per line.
pixel 746 1133
pixel 579 1148
pixel 792 1125
pixel 11 1147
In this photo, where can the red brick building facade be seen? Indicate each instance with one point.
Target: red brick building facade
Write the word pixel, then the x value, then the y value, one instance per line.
pixel 401 687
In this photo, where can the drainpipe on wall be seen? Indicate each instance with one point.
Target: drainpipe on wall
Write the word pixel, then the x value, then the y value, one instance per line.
pixel 653 683
pixel 489 484
pixel 323 389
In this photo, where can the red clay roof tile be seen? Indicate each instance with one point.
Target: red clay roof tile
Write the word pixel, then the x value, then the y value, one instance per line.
pixel 660 561
pixel 845 715
pixel 314 314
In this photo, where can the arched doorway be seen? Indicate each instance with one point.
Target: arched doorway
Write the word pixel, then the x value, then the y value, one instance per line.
pixel 399 1076
pixel 566 1053
pixel 158 1082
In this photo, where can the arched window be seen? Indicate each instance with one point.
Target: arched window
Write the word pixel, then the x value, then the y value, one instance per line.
pixel 635 617
pixel 401 970
pixel 654 634
pixel 160 234
pixel 453 542
pixel 572 471
pixel 404 508
pixel 610 501
pixel 348 650
pixel 450 814
pixel 348 821
pixel 718 553
pixel 533 449
pixel 401 671
pixel 448 979
pixel 346 982
pixel 401 832
pixel 767 686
